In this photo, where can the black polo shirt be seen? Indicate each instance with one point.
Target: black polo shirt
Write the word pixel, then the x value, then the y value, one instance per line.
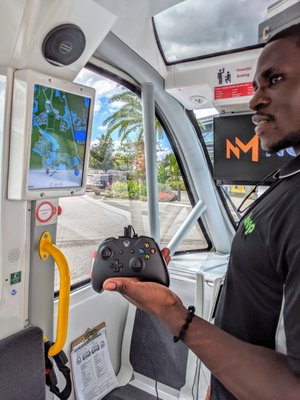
pixel 263 276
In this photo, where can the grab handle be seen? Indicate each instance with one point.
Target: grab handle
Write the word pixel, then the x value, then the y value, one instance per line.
pixel 47 248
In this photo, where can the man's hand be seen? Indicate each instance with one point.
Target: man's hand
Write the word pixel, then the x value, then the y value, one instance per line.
pixel 208 394
pixel 151 297
pixel 148 296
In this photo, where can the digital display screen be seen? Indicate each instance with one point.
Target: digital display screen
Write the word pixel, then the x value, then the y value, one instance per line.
pixel 238 157
pixel 59 137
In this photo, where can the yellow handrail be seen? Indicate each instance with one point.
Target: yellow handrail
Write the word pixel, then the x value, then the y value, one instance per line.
pixel 47 248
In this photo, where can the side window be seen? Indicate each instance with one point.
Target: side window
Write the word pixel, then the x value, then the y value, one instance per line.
pixel 174 203
pixel 233 194
pixel 116 193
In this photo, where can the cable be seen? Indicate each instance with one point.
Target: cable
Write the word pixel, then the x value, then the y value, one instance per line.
pixel 130 232
pixel 206 383
pixel 196 378
pixel 149 355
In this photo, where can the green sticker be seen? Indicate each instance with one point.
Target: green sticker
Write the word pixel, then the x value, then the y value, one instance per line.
pixel 15 278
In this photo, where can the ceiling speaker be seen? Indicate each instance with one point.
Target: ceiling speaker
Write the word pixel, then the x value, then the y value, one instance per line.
pixel 63 45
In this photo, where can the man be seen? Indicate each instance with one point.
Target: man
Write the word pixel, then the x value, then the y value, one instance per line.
pixel 263 276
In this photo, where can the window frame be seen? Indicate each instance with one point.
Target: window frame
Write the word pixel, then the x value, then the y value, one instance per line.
pixel 193 119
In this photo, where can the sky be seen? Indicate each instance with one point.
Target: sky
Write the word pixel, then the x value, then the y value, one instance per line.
pixel 198 27
pixel 105 89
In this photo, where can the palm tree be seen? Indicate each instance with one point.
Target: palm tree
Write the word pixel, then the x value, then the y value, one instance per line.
pixel 129 118
pixel 175 173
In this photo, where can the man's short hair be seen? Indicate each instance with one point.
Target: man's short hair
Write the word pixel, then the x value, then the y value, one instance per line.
pixel 292 32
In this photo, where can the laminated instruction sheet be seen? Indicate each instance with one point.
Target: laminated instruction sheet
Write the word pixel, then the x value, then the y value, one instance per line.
pixel 93 374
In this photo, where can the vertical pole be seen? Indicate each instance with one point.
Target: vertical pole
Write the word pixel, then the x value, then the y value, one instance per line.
pixel 148 106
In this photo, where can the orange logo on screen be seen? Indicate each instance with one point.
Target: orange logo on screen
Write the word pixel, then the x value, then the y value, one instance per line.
pixel 252 146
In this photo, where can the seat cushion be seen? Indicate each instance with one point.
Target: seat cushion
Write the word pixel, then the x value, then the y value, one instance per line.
pixel 22 367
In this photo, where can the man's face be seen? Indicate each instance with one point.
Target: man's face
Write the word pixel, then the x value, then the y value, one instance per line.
pixel 277 96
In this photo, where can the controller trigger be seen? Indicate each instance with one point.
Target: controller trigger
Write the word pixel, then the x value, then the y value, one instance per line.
pixel 108 239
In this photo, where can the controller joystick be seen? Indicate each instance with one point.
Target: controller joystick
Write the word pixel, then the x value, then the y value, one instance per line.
pixel 129 256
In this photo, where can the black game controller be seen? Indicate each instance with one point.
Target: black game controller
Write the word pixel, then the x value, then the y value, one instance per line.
pixel 129 256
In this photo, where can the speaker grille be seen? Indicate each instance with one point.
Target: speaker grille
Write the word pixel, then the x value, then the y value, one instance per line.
pixel 14 255
pixel 64 44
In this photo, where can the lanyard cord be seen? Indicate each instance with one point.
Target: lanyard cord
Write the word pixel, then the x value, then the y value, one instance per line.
pixel 51 379
pixel 273 174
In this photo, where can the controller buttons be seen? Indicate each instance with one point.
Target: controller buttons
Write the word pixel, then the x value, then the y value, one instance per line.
pixel 136 264
pixel 126 243
pixel 121 251
pixel 146 245
pixel 141 251
pixel 147 256
pixel 152 250
pixel 106 252
pixel 116 266
pixel 131 251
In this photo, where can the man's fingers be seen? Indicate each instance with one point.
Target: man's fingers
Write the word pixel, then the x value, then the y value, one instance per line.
pixel 111 286
pixel 147 296
pixel 166 254
pixel 118 284
pixel 208 394
pixel 130 288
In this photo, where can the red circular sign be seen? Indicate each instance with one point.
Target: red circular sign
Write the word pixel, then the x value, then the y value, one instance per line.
pixel 45 211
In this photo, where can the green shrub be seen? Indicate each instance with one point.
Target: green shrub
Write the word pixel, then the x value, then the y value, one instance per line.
pixel 174 185
pixel 132 189
pixel 164 188
pixel 136 189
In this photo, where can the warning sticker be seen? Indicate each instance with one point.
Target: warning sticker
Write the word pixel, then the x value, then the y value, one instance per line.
pixel 236 90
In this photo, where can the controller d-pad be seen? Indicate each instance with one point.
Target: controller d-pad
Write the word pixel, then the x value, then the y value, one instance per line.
pixel 136 264
pixel 116 266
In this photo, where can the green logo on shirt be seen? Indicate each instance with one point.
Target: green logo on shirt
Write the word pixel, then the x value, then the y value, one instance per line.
pixel 249 225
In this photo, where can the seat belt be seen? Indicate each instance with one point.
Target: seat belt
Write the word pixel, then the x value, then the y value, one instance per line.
pixel 51 379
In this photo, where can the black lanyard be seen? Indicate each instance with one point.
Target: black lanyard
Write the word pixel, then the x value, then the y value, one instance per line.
pixel 272 174
pixel 51 379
